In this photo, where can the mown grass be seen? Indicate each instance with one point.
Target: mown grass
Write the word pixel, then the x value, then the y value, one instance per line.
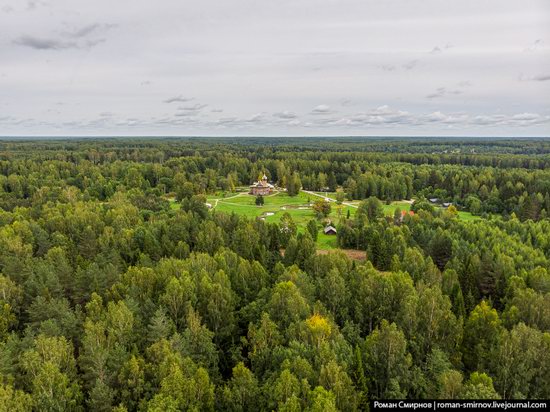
pixel 298 207
pixel 389 210
pixel 326 242
pixel 467 216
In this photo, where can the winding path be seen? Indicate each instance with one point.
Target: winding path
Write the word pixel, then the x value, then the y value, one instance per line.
pixel 329 199
pixel 225 198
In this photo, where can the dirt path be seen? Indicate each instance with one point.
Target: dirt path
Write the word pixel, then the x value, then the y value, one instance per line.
pixel 329 199
pixel 223 199
pixel 360 255
pixel 226 198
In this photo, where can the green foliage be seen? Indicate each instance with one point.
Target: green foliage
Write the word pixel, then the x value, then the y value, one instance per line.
pixel 313 229
pixel 14 400
pixel 479 386
pixel 322 208
pixel 388 362
pixel 372 208
pixel 121 290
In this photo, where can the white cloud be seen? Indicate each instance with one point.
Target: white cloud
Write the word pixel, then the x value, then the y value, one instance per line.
pixel 322 109
pixel 303 67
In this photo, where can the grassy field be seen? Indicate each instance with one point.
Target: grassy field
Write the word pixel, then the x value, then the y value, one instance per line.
pixel 467 216
pixel 389 210
pixel 298 207
pixel 275 206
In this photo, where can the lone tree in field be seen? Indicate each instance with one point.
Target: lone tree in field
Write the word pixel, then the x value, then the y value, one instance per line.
pixel 260 200
pixel 322 208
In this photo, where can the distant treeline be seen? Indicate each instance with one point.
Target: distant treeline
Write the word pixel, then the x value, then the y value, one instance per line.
pixel 479 176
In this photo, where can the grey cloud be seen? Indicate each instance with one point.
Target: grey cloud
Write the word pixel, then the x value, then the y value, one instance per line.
pixel 261 60
pixel 88 44
pixel 528 119
pixel 347 102
pixel 438 50
pixel 185 114
pixel 75 39
pixel 382 116
pixel 388 67
pixel 285 115
pixel 410 65
pixel 443 92
pixel 536 45
pixel 486 120
pixel 536 78
pixel 179 99
pixel 44 43
pixel 255 118
pixel 197 107
pixel 83 31
pixel 86 30
pixel 33 4
pixel 385 115
pixel 227 120
pixel 519 119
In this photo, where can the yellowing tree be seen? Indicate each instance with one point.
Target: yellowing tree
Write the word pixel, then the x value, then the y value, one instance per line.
pixel 319 328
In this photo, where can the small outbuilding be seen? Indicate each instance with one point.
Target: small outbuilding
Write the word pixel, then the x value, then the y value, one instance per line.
pixel 330 230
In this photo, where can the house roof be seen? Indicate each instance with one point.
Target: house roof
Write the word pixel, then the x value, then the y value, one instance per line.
pixel 329 228
pixel 261 184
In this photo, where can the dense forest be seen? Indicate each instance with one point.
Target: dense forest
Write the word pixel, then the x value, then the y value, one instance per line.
pixel 120 290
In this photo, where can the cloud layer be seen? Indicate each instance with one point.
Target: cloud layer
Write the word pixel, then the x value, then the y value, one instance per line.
pixel 300 67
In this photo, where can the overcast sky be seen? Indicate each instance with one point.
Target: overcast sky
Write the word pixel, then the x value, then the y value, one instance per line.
pixel 275 67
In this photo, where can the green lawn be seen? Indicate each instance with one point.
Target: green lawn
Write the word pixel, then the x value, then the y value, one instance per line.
pixel 326 242
pixel 467 216
pixel 297 206
pixel 173 204
pixel 389 210
pixel 275 206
